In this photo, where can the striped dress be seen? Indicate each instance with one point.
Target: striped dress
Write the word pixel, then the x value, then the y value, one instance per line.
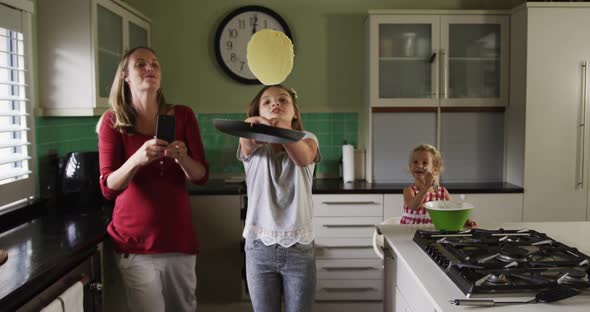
pixel 420 215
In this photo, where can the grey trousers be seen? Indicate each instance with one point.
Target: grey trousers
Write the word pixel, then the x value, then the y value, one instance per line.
pixel 159 282
pixel 273 271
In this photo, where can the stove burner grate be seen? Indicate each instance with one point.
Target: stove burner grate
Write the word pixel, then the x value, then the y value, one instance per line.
pixel 511 254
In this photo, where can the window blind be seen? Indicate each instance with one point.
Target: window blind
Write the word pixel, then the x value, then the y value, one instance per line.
pixel 17 178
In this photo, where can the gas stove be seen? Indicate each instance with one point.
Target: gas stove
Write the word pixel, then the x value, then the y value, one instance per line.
pixel 508 262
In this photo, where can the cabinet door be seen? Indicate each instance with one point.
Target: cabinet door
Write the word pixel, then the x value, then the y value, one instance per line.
pixel 138 34
pixel 110 47
pixel 393 206
pixel 495 208
pixel 217 224
pixel 403 64
pixel 474 53
pixel 556 173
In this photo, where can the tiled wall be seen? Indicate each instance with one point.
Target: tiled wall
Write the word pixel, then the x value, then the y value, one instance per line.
pixel 64 134
pixel 332 129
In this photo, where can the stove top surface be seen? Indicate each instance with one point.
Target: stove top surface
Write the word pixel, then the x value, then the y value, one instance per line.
pixel 484 262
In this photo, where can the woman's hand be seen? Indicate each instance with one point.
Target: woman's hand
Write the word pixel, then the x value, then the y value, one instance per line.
pixel 149 151
pixel 176 150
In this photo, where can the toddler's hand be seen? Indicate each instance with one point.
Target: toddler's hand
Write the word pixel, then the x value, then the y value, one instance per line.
pixel 471 223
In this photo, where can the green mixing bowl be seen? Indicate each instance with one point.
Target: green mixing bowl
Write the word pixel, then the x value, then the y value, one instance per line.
pixel 448 215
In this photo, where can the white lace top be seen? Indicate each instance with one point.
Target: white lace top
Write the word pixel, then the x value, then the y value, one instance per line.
pixel 279 197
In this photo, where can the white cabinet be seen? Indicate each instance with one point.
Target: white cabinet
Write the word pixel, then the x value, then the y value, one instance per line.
pixel 451 59
pixel 488 208
pixel 548 114
pixel 347 268
pixel 495 208
pixel 79 52
pixel 219 231
pixel 393 206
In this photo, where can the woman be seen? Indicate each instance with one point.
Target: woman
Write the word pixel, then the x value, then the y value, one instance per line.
pixel 151 228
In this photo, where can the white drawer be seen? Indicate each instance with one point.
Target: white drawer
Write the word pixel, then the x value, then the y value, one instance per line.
pixel 409 288
pixel 349 268
pixel 345 226
pixel 348 290
pixel 343 248
pixel 345 205
pixel 401 305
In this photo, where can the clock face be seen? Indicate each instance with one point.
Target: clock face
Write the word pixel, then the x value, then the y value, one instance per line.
pixel 233 35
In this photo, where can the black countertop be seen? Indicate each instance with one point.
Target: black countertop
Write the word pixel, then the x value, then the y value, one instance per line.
pixel 42 250
pixel 336 186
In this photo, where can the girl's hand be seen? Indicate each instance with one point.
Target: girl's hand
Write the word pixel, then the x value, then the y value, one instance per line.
pixel 470 223
pixel 429 178
pixel 149 151
pixel 261 120
pixel 176 150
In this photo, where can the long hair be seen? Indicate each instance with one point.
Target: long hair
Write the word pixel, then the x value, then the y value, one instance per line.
pixel 120 98
pixel 254 108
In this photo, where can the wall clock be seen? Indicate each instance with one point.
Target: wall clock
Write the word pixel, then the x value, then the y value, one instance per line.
pixel 233 34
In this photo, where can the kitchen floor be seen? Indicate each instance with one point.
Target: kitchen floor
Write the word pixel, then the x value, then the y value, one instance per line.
pixel 233 307
pixel 319 307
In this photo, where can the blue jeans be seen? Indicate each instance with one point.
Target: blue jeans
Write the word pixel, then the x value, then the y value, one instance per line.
pixel 272 270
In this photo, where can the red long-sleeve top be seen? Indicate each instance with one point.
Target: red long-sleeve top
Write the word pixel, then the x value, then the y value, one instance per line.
pixel 152 214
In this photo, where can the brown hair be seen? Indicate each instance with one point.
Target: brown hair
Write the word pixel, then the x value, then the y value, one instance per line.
pixel 120 97
pixel 437 161
pixel 254 108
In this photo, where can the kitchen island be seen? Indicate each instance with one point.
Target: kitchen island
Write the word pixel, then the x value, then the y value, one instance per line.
pixel 413 282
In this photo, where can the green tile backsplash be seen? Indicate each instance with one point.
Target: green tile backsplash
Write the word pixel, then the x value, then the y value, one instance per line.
pixel 64 134
pixel 332 129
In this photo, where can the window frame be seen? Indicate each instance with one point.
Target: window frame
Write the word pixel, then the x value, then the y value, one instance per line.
pixel 13 194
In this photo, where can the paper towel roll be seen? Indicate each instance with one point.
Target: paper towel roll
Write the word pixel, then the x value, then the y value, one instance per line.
pixel 348 163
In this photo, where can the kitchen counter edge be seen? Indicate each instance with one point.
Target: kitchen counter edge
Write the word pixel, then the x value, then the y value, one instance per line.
pixel 336 186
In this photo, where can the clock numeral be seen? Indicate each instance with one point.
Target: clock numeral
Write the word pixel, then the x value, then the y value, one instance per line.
pixel 232 57
pixel 242 65
pixel 233 33
pixel 253 19
pixel 265 24
pixel 229 45
pixel 241 24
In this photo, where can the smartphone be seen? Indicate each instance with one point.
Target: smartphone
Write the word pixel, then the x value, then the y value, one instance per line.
pixel 166 128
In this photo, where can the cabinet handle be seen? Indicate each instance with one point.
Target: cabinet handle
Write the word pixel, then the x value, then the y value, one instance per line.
pixel 347 247
pixel 351 203
pixel 582 126
pixel 347 289
pixel 349 225
pixel 350 268
pixel 445 61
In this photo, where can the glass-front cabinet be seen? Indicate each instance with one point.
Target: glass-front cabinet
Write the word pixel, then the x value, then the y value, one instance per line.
pixel 81 52
pixel 438 60
pixel 117 31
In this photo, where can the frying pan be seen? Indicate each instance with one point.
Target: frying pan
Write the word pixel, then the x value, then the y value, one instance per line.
pixel 258 132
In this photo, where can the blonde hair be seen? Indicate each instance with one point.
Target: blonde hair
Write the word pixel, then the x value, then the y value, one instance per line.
pixel 120 97
pixel 254 108
pixel 437 161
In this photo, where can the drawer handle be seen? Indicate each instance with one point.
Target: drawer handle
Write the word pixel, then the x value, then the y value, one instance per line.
pixel 351 203
pixel 350 268
pixel 347 289
pixel 349 225
pixel 345 247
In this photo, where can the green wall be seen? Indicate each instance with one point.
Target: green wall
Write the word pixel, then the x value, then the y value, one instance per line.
pixel 329 35
pixel 329 38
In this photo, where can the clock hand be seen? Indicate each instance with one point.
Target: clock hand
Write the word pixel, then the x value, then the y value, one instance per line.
pixel 254 24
